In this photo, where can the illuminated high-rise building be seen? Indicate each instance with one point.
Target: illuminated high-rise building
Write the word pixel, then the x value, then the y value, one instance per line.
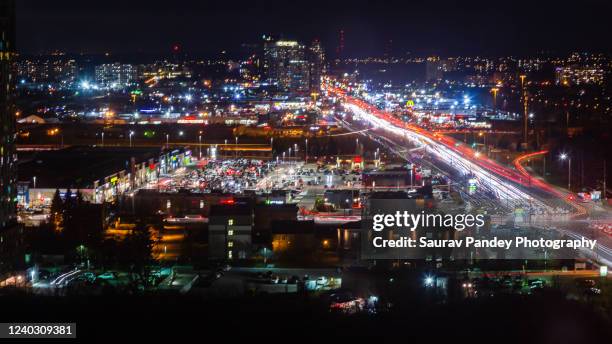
pixel 317 65
pixel 115 75
pixel 7 115
pixel 285 64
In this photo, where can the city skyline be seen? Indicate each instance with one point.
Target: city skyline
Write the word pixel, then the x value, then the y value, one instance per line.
pixel 180 171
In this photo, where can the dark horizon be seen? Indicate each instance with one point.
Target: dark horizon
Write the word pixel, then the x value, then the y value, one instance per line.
pixel 370 29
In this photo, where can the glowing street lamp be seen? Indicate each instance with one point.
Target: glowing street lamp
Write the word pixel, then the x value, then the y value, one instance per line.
pixel 494 90
pixel 429 281
pixel 200 145
pixel 564 157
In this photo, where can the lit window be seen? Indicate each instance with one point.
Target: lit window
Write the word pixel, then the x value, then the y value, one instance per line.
pixel 229 254
pixel 230 244
pixel 230 222
pixel 230 232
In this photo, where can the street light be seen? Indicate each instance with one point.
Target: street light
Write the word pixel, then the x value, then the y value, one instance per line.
pixel 131 134
pixel 429 281
pixel 102 139
pixel 167 141
pixel 200 145
pixel 494 90
pixel 306 151
pixel 563 157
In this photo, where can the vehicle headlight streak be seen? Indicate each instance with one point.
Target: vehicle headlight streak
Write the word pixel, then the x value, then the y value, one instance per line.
pixel 502 189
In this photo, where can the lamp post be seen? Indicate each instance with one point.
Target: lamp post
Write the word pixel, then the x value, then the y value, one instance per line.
pixel 306 151
pixel 102 139
pixel 131 134
pixel 167 141
pixel 484 140
pixel 565 156
pixel 200 145
pixel 494 90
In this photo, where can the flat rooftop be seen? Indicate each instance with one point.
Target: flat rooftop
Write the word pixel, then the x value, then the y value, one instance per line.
pixel 79 166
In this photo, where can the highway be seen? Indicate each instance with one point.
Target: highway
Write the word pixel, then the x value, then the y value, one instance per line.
pixel 515 187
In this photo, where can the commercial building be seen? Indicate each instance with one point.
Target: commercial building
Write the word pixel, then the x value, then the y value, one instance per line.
pixel 398 178
pixel 267 213
pixel 342 198
pixel 285 65
pixel 101 174
pixel 230 231
pixel 163 70
pixel 182 204
pixel 317 65
pixel 115 75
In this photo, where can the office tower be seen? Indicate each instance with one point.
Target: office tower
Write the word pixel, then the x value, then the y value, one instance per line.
pixel 317 65
pixel 286 65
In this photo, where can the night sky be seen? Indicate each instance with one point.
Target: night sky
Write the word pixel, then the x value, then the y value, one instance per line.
pixel 419 27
